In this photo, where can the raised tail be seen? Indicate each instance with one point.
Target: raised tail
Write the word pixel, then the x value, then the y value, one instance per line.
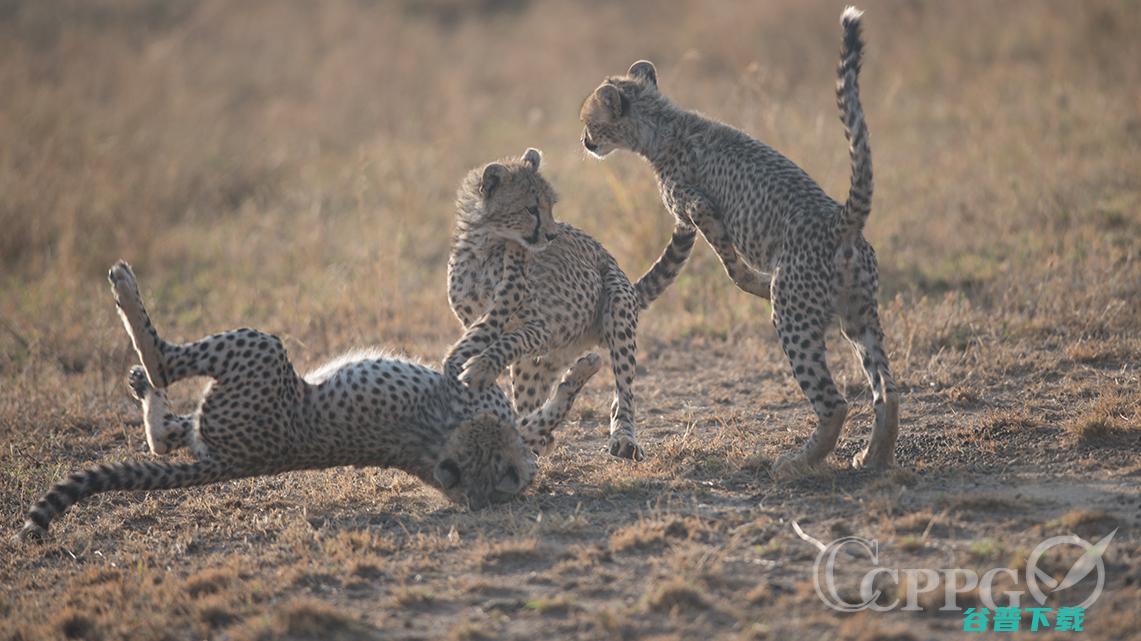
pixel 859 204
pixel 122 476
pixel 668 266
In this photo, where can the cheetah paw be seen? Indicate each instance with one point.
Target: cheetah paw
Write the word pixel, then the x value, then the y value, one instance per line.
pixel 137 381
pixel 756 285
pixel 877 459
pixel 586 366
pixel 542 444
pixel 792 466
pixel 479 373
pixel 123 282
pixel 626 447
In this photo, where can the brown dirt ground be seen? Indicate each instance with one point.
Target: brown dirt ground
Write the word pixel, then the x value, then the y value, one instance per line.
pixel 290 166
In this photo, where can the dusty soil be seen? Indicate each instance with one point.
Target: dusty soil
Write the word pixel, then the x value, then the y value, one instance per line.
pixel 291 166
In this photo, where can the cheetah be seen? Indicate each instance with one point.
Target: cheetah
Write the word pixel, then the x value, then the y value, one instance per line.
pixel 577 295
pixel 259 417
pixel 778 235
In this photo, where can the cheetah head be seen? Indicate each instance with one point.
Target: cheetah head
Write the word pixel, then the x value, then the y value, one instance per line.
pixel 510 200
pixel 620 113
pixel 484 461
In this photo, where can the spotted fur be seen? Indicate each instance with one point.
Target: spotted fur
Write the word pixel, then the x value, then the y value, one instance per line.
pixel 562 292
pixel 260 417
pixel 776 232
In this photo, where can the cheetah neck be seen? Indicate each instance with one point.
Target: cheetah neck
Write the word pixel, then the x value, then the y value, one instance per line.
pixel 473 239
pixel 473 252
pixel 669 141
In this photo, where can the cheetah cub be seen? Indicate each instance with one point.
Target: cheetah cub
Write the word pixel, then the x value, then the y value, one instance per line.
pixel 260 417
pixel 763 215
pixel 570 293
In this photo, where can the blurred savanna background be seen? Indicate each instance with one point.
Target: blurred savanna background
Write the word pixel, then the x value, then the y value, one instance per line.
pixel 292 166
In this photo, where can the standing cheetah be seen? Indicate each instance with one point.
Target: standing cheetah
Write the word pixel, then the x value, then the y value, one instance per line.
pixel 762 213
pixel 259 417
pixel 577 295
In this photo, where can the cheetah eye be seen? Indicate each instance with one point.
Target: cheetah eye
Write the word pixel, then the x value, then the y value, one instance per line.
pixel 534 211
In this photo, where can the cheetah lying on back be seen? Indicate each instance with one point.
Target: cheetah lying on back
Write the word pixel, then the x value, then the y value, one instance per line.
pixel 578 296
pixel 364 409
pixel 762 213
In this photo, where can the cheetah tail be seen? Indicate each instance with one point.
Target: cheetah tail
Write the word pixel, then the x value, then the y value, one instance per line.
pixel 120 476
pixel 859 205
pixel 667 267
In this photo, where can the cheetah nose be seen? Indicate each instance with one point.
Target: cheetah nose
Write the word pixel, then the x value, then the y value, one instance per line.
pixel 552 236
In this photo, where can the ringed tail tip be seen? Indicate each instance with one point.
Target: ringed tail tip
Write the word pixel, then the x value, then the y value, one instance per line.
pixel 30 533
pixel 851 15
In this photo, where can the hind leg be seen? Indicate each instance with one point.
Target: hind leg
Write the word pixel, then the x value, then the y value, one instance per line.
pixel 800 326
pixel 537 427
pixel 253 410
pixel 167 363
pixel 531 383
pixel 165 430
pixel 619 333
pixel 861 326
pixel 133 313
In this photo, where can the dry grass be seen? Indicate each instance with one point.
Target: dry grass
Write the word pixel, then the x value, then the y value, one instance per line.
pixel 1114 415
pixel 291 166
pixel 1092 524
pixel 676 596
pixel 307 620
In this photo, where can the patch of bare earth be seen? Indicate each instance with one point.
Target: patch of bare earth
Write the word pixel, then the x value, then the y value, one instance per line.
pixel 291 166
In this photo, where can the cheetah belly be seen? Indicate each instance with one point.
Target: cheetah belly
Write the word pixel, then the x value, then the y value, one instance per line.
pixel 757 233
pixel 382 394
pixel 566 288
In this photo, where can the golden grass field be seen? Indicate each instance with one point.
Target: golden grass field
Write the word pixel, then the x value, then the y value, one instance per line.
pixel 291 166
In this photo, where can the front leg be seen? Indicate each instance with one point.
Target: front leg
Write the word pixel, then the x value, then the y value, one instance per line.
pixel 482 370
pixel 689 204
pixel 510 293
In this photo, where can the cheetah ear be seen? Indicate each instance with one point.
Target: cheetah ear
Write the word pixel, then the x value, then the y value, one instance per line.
pixel 493 174
pixel 644 70
pixel 509 483
pixel 447 473
pixel 613 100
pixel 532 157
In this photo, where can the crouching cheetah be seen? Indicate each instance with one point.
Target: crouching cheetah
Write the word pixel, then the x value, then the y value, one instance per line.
pixel 761 213
pixel 259 417
pixel 576 295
